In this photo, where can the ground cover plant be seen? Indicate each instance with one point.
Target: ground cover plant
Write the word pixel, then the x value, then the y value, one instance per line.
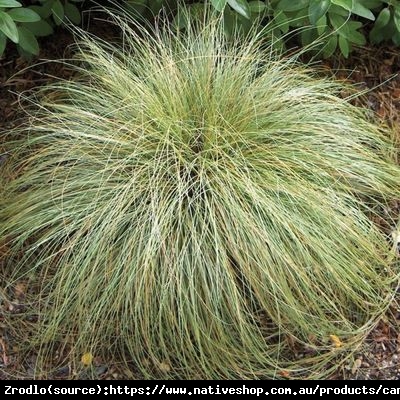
pixel 342 24
pixel 199 207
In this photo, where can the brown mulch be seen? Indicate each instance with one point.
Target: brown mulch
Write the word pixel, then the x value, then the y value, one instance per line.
pixel 16 76
pixel 375 69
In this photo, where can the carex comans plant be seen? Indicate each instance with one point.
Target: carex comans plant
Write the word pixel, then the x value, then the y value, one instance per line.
pixel 199 208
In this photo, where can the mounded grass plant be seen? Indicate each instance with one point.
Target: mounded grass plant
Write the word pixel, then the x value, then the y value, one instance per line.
pixel 199 207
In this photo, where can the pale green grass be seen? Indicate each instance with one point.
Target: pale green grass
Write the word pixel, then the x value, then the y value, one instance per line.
pixel 200 204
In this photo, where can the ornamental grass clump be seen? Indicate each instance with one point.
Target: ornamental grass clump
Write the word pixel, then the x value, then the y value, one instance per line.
pixel 199 208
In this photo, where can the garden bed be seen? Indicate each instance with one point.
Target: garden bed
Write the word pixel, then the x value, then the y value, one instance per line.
pixel 370 68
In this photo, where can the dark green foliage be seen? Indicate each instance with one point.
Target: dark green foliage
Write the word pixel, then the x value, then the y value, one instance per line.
pixel 22 22
pixel 335 24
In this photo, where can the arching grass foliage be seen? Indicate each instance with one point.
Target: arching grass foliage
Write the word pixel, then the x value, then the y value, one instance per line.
pixel 199 208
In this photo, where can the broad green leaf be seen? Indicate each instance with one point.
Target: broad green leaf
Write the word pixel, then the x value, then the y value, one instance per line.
pixel 330 46
pixel 257 6
pixel 245 24
pixel 344 46
pixel 346 4
pixel 371 4
pixel 10 4
pixel 299 18
pixel 219 5
pixel 292 5
pixel 58 12
pixel 44 11
pixel 396 17
pixel 72 12
pixel 396 38
pixel 229 22
pixel 3 42
pixel 338 22
pixel 277 41
pixel 383 18
pixel 353 25
pixel 376 36
pixel 307 36
pixel 24 15
pixel 40 28
pixel 357 38
pixel 318 9
pixel 362 11
pixel 8 27
pixel 334 9
pixel 28 41
pixel 356 7
pixel 281 21
pixel 321 25
pixel 241 7
pixel 302 16
pixel 348 29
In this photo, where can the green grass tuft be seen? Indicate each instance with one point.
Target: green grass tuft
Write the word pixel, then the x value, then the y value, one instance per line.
pixel 199 208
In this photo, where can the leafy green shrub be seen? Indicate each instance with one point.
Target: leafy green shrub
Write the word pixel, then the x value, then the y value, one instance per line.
pixel 336 23
pixel 23 24
pixel 199 207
